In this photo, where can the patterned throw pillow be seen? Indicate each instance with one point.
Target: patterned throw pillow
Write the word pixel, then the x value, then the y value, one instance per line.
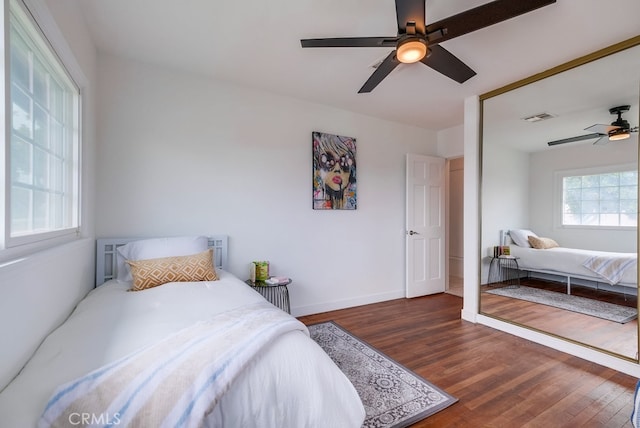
pixel 153 272
pixel 542 243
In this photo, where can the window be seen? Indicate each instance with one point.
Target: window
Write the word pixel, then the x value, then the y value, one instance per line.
pixel 44 147
pixel 606 199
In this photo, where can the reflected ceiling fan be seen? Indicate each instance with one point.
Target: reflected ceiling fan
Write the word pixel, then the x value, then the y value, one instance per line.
pixel 618 130
pixel 417 41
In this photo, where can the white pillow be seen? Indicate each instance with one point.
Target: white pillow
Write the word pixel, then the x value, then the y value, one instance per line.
pixel 521 237
pixel 156 248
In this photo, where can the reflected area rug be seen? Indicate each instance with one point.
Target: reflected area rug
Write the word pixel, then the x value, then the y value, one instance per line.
pixel 595 308
pixel 393 396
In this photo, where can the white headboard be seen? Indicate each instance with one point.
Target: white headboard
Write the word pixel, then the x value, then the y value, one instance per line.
pixel 106 260
pixel 505 237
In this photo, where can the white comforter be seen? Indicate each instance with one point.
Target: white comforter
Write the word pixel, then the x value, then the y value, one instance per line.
pixel 570 261
pixel 292 384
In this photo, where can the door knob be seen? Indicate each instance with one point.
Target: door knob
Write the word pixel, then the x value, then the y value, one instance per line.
pixel 411 232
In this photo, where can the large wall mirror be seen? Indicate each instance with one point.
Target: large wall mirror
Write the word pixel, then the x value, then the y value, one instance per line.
pixel 559 221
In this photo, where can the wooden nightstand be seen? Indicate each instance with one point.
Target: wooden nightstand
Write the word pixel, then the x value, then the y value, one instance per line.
pixel 278 295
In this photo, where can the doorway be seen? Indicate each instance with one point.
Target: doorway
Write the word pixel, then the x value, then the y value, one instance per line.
pixel 455 224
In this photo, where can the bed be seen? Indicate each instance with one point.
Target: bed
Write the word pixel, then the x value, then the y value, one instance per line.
pixel 84 372
pixel 614 271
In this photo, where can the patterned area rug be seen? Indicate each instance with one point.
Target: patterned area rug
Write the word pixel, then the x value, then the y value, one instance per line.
pixel 393 396
pixel 595 308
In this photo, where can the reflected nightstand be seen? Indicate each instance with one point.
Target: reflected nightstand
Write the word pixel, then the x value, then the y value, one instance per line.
pixel 504 270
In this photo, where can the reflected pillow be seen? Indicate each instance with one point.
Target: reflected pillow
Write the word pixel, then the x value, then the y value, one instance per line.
pixel 521 237
pixel 153 272
pixel 157 247
pixel 542 243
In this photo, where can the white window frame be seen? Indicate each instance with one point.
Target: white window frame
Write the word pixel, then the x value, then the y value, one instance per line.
pixel 558 197
pixel 41 17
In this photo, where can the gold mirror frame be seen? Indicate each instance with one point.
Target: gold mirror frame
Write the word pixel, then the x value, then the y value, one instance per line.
pixel 597 55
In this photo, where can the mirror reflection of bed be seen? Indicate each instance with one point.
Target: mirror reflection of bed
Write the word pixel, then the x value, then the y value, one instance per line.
pixel 562 271
pixel 586 248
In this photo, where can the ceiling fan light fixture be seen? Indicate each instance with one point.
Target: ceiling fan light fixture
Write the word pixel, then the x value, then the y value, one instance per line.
pixel 411 50
pixel 619 134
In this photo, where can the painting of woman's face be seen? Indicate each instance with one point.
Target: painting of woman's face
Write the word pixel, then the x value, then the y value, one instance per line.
pixel 334 172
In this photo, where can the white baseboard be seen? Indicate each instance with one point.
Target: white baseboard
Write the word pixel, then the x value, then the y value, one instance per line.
pixel 299 311
pixel 469 315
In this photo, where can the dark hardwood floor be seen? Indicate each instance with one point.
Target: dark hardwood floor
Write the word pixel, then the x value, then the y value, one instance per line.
pixel 500 380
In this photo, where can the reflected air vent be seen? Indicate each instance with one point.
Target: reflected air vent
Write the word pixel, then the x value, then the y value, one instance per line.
pixel 538 117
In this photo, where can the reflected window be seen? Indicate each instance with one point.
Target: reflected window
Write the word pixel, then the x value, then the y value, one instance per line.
pixel 600 200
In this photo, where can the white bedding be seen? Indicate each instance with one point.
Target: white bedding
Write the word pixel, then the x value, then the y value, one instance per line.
pixel 569 261
pixel 293 384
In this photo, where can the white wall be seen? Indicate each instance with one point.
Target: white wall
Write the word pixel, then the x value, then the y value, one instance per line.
pixel 182 154
pixel 471 301
pixel 505 196
pixel 544 195
pixel 38 291
pixel 451 146
pixel 451 142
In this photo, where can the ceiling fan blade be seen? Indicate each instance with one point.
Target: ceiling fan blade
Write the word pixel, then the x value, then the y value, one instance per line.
pixel 601 141
pixel 410 11
pixel 480 17
pixel 574 139
pixel 350 42
pixel 443 61
pixel 601 129
pixel 383 70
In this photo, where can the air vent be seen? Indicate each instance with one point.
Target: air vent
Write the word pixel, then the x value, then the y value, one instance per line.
pixel 538 117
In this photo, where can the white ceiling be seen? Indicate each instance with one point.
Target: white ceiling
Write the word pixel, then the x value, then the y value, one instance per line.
pixel 577 98
pixel 256 43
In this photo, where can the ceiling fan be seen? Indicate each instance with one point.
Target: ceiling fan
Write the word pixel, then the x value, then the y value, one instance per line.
pixel 618 130
pixel 417 41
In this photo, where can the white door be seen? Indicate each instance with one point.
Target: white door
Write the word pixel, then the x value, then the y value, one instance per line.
pixel 425 232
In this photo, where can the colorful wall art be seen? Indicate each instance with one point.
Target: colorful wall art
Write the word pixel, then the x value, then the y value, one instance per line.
pixel 334 172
